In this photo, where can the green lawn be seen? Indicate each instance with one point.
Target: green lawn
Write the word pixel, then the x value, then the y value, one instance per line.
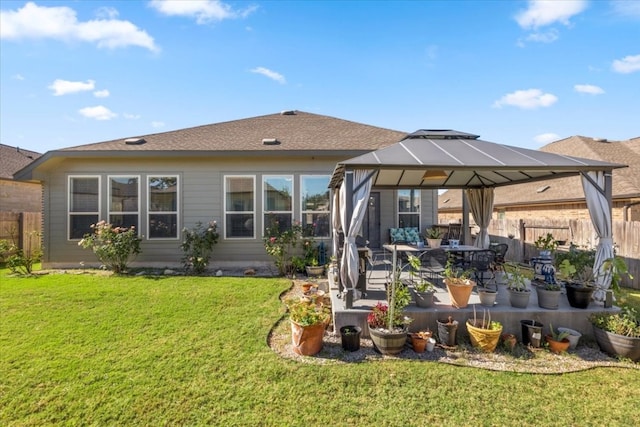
pixel 91 350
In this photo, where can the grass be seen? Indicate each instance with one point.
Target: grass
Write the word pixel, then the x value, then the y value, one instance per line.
pixel 94 350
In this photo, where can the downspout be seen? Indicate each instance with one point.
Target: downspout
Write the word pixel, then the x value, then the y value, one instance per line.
pixel 625 210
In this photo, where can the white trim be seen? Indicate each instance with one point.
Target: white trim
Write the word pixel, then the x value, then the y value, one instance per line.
pixel 265 212
pixel 304 211
pixel 139 196
pixel 150 212
pixel 69 211
pixel 398 213
pixel 225 212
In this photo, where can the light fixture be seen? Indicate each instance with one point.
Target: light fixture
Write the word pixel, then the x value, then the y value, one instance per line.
pixel 435 174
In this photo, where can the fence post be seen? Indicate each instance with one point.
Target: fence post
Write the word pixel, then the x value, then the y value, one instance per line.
pixel 522 230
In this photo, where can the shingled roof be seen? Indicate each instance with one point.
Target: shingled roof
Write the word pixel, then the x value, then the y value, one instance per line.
pixel 626 181
pixel 13 159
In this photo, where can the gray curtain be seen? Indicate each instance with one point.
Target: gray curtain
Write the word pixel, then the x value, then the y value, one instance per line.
pixel 481 207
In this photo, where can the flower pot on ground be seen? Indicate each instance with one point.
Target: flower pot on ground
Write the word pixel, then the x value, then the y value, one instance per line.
pixel 419 341
pixel 573 337
pixel 447 331
pixel 558 341
pixel 618 334
pixel 459 285
pixel 431 344
pixel 548 295
pixel 487 297
pixel 531 333
pixel 484 333
pixel 509 341
pixel 308 323
pixel 315 270
pixel 350 337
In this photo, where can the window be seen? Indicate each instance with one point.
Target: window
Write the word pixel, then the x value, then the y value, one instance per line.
pixel 409 208
pixel 124 201
pixel 163 207
pixel 84 204
pixel 239 207
pixel 278 201
pixel 314 197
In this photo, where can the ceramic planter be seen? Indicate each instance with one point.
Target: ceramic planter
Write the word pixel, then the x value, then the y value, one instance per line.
pixel 431 344
pixel 487 297
pixel 574 336
pixel 350 337
pixel 307 340
pixel 388 343
pixel 315 270
pixel 578 295
pixel 519 299
pixel 424 299
pixel 418 343
pixel 434 243
pixel 548 299
pixel 617 345
pixel 459 293
pixel 557 346
pixel 484 339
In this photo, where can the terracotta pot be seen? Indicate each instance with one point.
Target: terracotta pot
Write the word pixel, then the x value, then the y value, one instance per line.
pixel 509 341
pixel 307 340
pixel 484 339
pixel 388 343
pixel 459 293
pixel 557 346
pixel 418 343
pixel 574 336
pixel 306 287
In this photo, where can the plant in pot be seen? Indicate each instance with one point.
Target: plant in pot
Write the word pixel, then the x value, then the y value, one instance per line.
pixel 548 293
pixel 311 254
pixel 484 333
pixel 419 340
pixel 350 337
pixel 434 237
pixel 423 289
pixel 546 245
pixel 579 284
pixel 308 323
pixel 387 322
pixel 618 334
pixel 519 292
pixel 558 341
pixel 459 284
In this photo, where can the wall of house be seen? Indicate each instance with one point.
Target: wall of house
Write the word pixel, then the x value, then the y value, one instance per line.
pixel 201 188
pixel 18 196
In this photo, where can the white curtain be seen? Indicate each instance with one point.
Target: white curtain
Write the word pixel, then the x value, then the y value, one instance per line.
pixel 335 221
pixel 601 218
pixel 481 207
pixel 349 266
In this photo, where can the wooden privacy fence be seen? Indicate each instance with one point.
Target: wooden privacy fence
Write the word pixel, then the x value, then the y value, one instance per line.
pixel 23 228
pixel 521 234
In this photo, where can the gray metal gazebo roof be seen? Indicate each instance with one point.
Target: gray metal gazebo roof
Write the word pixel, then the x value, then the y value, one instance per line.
pixel 467 161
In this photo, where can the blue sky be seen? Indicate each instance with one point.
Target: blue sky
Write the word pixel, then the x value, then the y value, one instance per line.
pixel 521 73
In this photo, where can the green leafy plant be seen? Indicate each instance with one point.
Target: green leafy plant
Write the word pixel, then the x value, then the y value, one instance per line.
pixel 420 285
pixel 434 233
pixel 616 268
pixel 280 243
pixel 515 278
pixel 557 335
pixel 197 246
pixel 455 273
pixel 626 322
pixel 576 265
pixel 546 243
pixel 306 312
pixel 19 260
pixel 115 247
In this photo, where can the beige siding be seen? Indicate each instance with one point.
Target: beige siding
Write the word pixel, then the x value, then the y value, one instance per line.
pixel 20 196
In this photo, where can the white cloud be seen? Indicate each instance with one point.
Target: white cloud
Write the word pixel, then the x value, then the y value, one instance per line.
pixel 157 124
pixel 130 116
pixel 545 138
pixel 60 23
pixel 18 77
pixel 590 89
pixel 98 112
pixel 106 12
pixel 626 8
pixel 541 13
pixel 626 65
pixel 528 99
pixel 204 11
pixel 269 73
pixel 544 37
pixel 65 87
pixel 104 93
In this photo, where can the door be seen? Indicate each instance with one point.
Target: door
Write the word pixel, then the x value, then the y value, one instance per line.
pixel 371 224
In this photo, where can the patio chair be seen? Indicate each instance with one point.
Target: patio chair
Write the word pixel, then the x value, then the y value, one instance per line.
pixel 379 268
pixel 433 263
pixel 481 263
pixel 499 260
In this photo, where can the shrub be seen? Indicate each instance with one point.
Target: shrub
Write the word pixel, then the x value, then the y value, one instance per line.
pixel 198 246
pixel 280 244
pixel 19 260
pixel 115 247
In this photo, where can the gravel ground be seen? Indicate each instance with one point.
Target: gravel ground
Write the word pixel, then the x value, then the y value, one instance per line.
pixel 520 359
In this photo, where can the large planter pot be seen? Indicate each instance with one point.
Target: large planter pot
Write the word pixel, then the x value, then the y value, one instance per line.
pixel 574 336
pixel 579 296
pixel 531 332
pixel 388 343
pixel 307 340
pixel 424 299
pixel 434 243
pixel 548 299
pixel 459 293
pixel 315 270
pixel 557 346
pixel 350 337
pixel 487 297
pixel 484 339
pixel 617 345
pixel 447 331
pixel 519 299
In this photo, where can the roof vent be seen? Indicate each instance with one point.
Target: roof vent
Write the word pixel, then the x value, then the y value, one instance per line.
pixel 601 140
pixel 134 141
pixel 543 188
pixel 288 112
pixel 270 141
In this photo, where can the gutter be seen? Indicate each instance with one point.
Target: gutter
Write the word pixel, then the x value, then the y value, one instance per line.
pixel 625 210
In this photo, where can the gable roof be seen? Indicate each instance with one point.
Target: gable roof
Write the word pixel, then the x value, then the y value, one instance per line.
pixel 626 181
pixel 12 159
pixel 292 131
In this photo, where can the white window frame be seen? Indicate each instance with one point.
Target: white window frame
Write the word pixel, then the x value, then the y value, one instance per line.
pixel 398 213
pixel 266 212
pixel 150 212
pixel 110 212
pixel 70 213
pixel 304 211
pixel 226 212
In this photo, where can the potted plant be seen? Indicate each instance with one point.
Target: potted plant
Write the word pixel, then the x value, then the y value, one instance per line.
pixel 546 245
pixel 447 330
pixel 573 336
pixel 308 322
pixel 579 283
pixel 459 284
pixel 485 333
pixel 419 340
pixel 615 268
pixel 423 289
pixel 350 337
pixel 434 237
pixel 618 334
pixel 311 254
pixel 487 297
pixel 548 294
pixel 519 292
pixel 558 341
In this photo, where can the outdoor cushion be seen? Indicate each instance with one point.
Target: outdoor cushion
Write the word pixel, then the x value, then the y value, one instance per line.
pixel 397 234
pixel 412 234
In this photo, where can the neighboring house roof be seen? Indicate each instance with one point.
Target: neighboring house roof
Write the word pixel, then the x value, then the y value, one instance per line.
pixel 12 159
pixel 626 181
pixel 274 134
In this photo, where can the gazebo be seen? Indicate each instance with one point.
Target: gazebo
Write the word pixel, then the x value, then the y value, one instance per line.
pixel 449 159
